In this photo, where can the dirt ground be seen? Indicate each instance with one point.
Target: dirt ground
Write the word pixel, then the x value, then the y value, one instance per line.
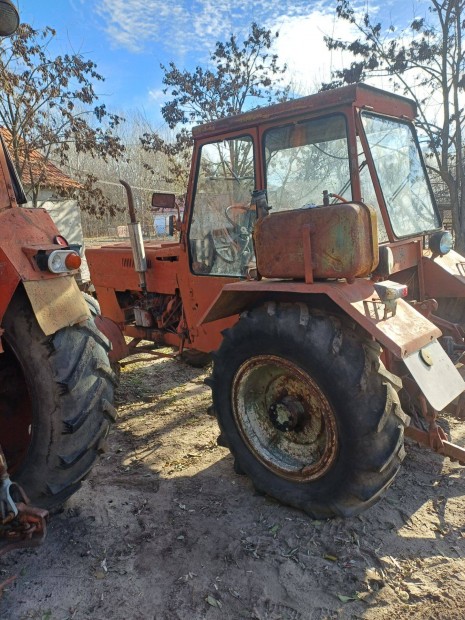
pixel 164 529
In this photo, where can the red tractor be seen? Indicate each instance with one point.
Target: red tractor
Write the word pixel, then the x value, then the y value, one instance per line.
pixel 313 266
pixel 56 382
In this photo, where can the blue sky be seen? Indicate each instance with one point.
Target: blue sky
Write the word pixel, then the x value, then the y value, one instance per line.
pixel 128 39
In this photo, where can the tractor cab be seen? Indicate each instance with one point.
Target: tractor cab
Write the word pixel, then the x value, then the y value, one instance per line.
pixel 354 145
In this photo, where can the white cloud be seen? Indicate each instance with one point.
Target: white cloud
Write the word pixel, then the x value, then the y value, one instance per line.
pixel 157 94
pixel 156 98
pixel 193 26
pixel 131 23
pixel 302 47
pixel 188 24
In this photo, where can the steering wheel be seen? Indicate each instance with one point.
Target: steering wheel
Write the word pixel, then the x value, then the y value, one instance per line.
pixel 231 245
pixel 225 245
pixel 228 212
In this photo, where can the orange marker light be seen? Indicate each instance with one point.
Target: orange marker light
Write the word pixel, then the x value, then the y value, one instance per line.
pixel 73 261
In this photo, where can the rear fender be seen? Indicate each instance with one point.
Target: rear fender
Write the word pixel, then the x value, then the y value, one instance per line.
pixel 56 302
pixel 9 280
pixel 407 334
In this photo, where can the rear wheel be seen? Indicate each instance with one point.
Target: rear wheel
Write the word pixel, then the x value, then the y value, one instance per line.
pixel 308 410
pixel 55 394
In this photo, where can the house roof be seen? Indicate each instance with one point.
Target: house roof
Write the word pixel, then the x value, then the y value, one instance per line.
pixel 52 176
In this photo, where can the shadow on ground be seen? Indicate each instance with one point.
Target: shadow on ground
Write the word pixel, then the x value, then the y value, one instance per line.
pixel 164 529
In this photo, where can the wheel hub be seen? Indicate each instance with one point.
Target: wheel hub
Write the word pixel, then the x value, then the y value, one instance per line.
pixel 286 414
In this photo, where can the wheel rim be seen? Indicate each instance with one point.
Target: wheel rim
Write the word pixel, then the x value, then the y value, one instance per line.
pixel 284 418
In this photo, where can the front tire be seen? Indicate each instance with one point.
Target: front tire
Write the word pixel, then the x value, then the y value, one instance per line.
pixel 57 394
pixel 307 410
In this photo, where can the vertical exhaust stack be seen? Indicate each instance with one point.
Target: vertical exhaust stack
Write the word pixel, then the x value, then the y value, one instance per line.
pixel 135 237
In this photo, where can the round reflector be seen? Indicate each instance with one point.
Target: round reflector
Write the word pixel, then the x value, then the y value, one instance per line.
pixel 9 18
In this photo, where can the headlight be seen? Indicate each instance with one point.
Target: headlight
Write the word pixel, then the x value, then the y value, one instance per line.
pixel 388 293
pixel 9 18
pixel 61 261
pixel 440 243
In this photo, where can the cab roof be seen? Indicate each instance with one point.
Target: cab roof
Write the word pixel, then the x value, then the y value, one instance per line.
pixel 357 95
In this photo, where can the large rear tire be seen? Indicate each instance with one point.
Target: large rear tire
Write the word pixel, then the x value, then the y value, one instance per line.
pixel 56 396
pixel 307 410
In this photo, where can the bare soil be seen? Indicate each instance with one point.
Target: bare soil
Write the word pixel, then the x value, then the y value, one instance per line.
pixel 164 529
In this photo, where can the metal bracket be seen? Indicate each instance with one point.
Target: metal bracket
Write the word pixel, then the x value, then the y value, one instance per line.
pixel 434 438
pixel 21 525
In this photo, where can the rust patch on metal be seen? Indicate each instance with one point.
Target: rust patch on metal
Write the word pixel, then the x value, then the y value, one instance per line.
pixel 402 334
pixel 28 529
pixel 439 444
pixel 21 525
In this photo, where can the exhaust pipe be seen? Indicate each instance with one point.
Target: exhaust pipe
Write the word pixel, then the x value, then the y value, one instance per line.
pixel 136 240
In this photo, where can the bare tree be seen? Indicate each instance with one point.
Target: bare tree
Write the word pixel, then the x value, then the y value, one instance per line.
pixel 143 170
pixel 240 76
pixel 49 105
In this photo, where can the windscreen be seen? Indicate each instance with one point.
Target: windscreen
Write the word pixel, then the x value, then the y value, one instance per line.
pixel 305 159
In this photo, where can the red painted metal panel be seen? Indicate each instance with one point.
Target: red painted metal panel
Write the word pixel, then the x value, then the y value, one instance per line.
pixel 112 266
pixel 9 280
pixel 109 304
pixel 358 95
pixel 406 254
pixel 444 276
pixel 119 348
pixel 404 333
pixel 19 226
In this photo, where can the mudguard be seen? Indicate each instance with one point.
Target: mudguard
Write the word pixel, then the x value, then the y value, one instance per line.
pixel 407 334
pixel 56 303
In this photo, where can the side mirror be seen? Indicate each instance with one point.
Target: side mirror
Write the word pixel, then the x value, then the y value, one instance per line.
pixel 162 200
pixel 9 18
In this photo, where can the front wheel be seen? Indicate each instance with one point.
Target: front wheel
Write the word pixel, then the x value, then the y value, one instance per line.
pixel 307 410
pixel 56 395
